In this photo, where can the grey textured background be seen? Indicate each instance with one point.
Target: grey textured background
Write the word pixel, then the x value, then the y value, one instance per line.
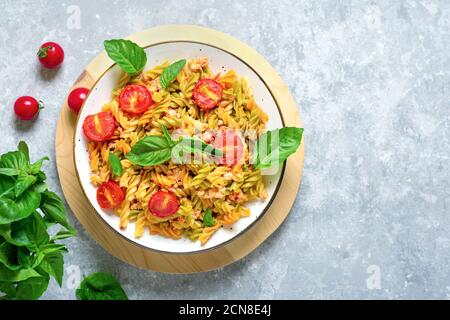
pixel 372 81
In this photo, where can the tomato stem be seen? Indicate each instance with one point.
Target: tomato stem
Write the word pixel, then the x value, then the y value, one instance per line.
pixel 41 105
pixel 42 53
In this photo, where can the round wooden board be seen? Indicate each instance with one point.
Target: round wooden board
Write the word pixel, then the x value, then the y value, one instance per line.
pixel 178 263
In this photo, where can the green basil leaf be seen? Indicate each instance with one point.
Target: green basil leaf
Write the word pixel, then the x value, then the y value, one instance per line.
pixel 35 168
pixel 52 247
pixel 7 275
pixel 9 289
pixel 197 145
pixel 53 264
pixel 115 165
pixel 9 171
pixel 274 147
pixel 32 288
pixel 54 209
pixel 100 286
pixel 6 185
pixel 208 219
pixel 36 231
pixel 167 135
pixel 14 159
pixel 19 208
pixel 151 150
pixel 28 258
pixel 64 235
pixel 171 72
pixel 8 256
pixel 24 181
pixel 127 54
pixel 23 147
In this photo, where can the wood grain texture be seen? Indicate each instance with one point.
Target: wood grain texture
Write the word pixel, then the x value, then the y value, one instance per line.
pixel 193 262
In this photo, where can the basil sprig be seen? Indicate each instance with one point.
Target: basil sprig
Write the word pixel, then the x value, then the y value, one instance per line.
pixel 154 150
pixel 208 219
pixel 171 72
pixel 115 165
pixel 127 54
pixel 29 253
pixel 100 286
pixel 274 147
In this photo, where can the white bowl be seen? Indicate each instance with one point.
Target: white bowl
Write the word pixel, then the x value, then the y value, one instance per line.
pixel 219 61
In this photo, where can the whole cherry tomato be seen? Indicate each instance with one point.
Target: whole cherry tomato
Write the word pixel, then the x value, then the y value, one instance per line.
pixel 51 55
pixel 163 204
pixel 27 108
pixel 76 98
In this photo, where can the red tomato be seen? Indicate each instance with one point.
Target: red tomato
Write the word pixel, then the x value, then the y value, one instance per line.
pixel 135 99
pixel 27 108
pixel 207 93
pixel 99 127
pixel 51 55
pixel 163 204
pixel 76 98
pixel 110 195
pixel 232 146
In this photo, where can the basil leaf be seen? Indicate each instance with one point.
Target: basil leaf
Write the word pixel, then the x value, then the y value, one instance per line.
pixel 14 159
pixel 274 147
pixel 36 231
pixel 197 145
pixel 28 258
pixel 9 171
pixel 9 289
pixel 127 54
pixel 115 165
pixel 19 208
pixel 53 264
pixel 100 286
pixel 53 208
pixel 32 288
pixel 208 219
pixel 8 256
pixel 151 150
pixel 167 135
pixel 171 72
pixel 64 235
pixel 24 181
pixel 7 275
pixel 35 168
pixel 23 147
pixel 6 185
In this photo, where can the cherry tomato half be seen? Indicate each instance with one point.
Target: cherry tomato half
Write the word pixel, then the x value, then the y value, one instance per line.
pixel 99 127
pixel 135 99
pixel 51 55
pixel 163 204
pixel 110 195
pixel 231 145
pixel 76 98
pixel 207 93
pixel 27 108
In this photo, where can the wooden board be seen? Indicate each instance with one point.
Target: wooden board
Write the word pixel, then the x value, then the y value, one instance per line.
pixel 178 263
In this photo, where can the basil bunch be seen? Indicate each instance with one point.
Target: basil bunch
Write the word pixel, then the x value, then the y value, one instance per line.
pixel 100 286
pixel 29 255
pixel 154 150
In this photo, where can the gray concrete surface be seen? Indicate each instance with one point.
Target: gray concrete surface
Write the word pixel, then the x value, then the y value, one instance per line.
pixel 372 80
